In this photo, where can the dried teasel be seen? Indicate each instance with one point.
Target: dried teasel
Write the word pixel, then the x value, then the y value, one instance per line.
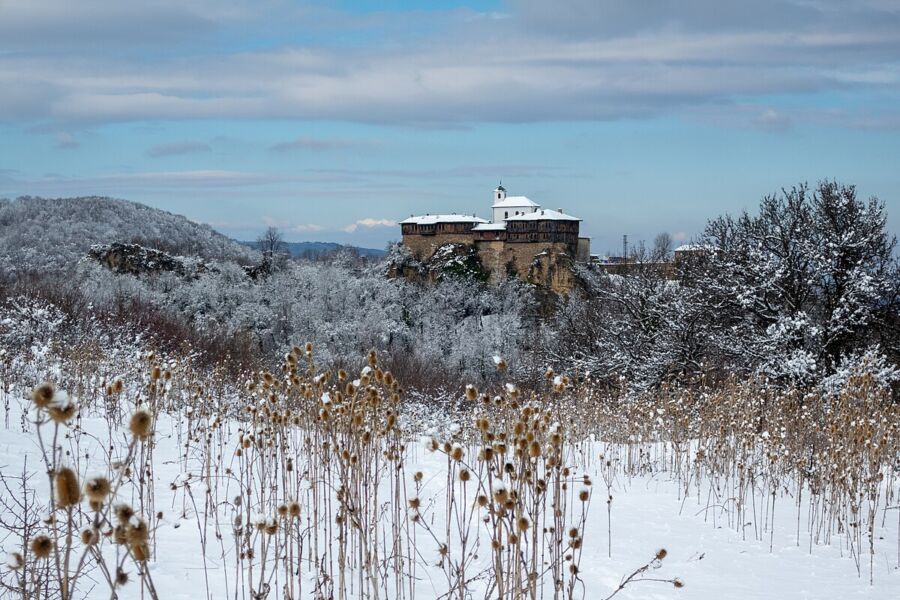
pixel 137 532
pixel 140 552
pixel 41 546
pixel 123 513
pixel 43 394
pixel 68 492
pixel 16 561
pixel 97 489
pixel 62 412
pixel 141 424
pixel 90 536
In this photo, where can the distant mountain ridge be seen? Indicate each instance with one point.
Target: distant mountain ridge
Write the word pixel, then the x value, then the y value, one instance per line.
pixel 319 249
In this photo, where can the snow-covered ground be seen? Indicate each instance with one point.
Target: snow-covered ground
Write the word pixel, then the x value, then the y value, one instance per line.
pixel 712 560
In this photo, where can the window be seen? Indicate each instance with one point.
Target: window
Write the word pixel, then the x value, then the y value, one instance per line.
pixel 506 214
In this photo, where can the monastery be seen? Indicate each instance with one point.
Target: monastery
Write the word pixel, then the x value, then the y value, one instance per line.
pixel 539 245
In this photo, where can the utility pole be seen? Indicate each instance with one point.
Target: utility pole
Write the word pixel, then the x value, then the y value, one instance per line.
pixel 625 248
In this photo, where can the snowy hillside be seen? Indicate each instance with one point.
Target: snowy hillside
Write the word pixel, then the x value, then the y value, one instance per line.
pixel 52 234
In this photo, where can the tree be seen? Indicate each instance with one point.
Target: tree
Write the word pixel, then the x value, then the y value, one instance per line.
pixel 662 246
pixel 641 324
pixel 807 281
pixel 271 241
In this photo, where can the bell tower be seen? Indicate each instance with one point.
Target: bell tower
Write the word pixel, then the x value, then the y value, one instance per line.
pixel 499 193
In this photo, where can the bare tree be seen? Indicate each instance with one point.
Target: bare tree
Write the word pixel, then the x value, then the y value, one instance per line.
pixel 271 241
pixel 662 246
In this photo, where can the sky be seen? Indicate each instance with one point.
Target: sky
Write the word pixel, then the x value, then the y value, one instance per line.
pixel 334 120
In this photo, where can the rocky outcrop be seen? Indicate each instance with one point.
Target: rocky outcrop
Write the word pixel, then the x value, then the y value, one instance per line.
pixel 134 259
pixel 451 260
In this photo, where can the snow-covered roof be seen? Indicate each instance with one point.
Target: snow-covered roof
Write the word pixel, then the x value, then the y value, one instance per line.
pixel 434 219
pixel 490 227
pixel 516 202
pixel 694 247
pixel 545 214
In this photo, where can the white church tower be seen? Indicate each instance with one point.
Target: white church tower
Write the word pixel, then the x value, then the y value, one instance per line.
pixel 510 206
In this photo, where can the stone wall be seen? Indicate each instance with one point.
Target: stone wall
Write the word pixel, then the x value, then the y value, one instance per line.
pixel 547 264
pixel 544 264
pixel 423 246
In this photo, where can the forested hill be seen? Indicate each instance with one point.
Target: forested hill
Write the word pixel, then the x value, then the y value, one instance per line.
pixel 52 234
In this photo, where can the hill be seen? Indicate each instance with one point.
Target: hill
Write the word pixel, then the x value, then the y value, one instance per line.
pixel 53 234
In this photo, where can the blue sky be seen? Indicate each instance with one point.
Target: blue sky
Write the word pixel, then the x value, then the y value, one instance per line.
pixel 334 120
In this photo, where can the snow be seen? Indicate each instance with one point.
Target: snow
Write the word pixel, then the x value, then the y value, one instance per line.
pixel 490 227
pixel 545 214
pixel 516 202
pixel 435 219
pixel 646 513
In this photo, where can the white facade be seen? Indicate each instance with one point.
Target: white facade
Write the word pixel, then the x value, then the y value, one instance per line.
pixel 506 207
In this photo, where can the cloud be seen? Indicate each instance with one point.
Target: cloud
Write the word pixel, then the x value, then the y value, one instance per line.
pixel 66 141
pixel 314 144
pixel 581 60
pixel 369 223
pixel 306 228
pixel 177 149
pixel 772 120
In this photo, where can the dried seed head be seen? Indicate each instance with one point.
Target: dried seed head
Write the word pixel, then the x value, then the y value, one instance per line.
pixel 523 523
pixel 661 554
pixel 137 532
pixel 141 424
pixel 43 394
pixel 123 513
pixel 89 537
pixel 678 583
pixel 67 488
pixel 456 453
pixel 121 577
pixel 97 489
pixel 62 412
pixel 16 561
pixel 41 546
pixel 140 552
pixel 294 509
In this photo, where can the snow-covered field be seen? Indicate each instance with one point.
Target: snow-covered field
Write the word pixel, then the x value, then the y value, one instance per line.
pixel 712 559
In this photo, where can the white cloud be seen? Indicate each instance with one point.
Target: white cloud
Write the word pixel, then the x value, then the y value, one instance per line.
pixel 306 228
pixel 369 223
pixel 66 141
pixel 631 70
pixel 772 120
